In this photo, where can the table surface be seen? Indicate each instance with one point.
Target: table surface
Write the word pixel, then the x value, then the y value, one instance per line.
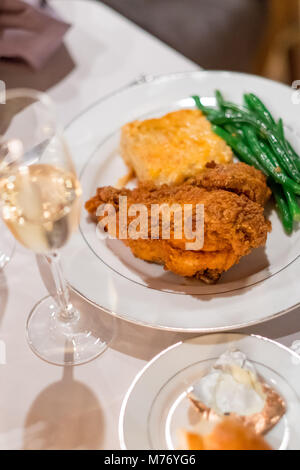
pixel 48 407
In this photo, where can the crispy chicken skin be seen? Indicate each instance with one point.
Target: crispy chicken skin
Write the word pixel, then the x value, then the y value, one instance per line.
pixel 234 224
pixel 236 177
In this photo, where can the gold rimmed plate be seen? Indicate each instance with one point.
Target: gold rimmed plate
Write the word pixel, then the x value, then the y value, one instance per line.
pixel 262 286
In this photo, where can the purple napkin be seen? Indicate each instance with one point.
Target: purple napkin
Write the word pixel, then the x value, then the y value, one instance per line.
pixel 29 32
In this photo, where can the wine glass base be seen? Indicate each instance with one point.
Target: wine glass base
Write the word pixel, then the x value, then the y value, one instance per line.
pixel 64 343
pixel 7 245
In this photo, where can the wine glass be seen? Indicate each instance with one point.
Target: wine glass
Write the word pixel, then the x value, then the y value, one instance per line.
pixel 7 242
pixel 7 245
pixel 40 200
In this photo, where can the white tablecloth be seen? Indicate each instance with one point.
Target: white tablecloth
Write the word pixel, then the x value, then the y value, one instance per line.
pixel 44 406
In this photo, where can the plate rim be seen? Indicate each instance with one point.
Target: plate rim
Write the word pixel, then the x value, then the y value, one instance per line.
pixel 158 78
pixel 212 330
pixel 151 78
pixel 174 346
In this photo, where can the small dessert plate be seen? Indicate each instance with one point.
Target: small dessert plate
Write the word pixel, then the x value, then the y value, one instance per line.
pixel 156 406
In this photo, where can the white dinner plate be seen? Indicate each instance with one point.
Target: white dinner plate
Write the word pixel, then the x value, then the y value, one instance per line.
pixel 263 285
pixel 156 406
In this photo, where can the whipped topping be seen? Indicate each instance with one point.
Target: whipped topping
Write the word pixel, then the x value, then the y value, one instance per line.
pixel 231 386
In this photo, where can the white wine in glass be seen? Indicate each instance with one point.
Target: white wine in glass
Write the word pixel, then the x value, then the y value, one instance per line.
pixel 41 206
pixel 7 246
pixel 7 242
pixel 40 201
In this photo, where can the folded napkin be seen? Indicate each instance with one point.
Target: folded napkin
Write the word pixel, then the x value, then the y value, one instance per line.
pixel 29 31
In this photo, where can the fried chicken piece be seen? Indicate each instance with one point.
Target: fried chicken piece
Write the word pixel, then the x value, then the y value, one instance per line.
pixel 233 226
pixel 236 177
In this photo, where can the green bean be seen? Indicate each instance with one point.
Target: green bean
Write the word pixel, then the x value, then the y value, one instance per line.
pixel 234 107
pixel 213 113
pixel 234 114
pixel 293 204
pixel 267 164
pixel 198 103
pixel 281 130
pixel 284 158
pixel 241 130
pixel 289 149
pixel 219 98
pixel 265 148
pixel 234 130
pixel 290 196
pixel 240 148
pixel 241 117
pixel 231 128
pixel 283 207
pixel 284 142
pixel 247 133
pixel 280 145
pixel 256 149
pixel 292 152
pixel 256 105
pixel 209 112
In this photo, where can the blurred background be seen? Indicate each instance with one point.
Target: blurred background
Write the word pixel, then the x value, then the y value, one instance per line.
pixel 255 36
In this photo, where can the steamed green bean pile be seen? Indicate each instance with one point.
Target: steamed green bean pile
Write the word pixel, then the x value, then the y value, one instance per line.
pixel 258 140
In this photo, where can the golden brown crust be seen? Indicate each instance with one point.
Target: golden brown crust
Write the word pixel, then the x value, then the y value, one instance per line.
pixel 236 177
pixel 234 225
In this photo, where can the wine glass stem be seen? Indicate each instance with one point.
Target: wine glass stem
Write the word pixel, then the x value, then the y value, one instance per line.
pixel 67 312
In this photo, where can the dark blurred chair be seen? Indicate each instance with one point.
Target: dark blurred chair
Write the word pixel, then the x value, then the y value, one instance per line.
pixel 216 34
